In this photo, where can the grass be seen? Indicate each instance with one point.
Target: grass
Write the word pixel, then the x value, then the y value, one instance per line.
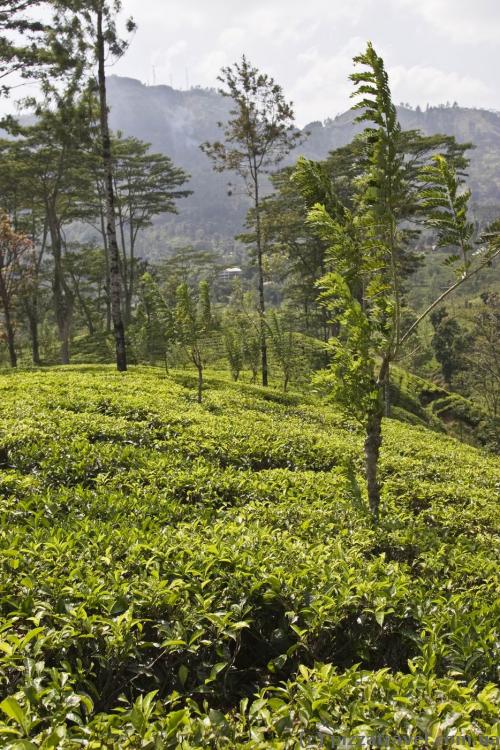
pixel 177 575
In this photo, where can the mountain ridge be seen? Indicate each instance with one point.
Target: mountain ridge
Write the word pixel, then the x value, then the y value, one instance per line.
pixel 176 122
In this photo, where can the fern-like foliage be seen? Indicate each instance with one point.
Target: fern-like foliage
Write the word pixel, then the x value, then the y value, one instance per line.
pixel 385 190
pixel 445 203
pixel 316 187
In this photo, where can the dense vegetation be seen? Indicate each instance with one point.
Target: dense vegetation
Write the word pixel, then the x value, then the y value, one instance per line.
pixel 176 121
pixel 176 574
pixel 191 561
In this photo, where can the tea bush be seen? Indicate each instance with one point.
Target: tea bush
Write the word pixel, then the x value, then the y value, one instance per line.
pixel 192 576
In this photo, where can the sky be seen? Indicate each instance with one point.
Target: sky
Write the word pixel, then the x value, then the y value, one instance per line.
pixel 436 51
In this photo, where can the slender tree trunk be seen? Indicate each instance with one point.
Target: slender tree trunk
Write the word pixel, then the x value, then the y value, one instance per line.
pixel 262 302
pixel 114 260
pixel 131 281
pixel 30 302
pixel 9 328
pixel 373 442
pixel 63 310
pixel 124 266
pixel 88 318
pixel 131 270
pixel 84 308
pixel 63 298
pixel 32 315
pixel 200 382
pixel 107 284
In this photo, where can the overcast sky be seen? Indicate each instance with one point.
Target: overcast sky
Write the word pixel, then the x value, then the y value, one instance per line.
pixel 435 50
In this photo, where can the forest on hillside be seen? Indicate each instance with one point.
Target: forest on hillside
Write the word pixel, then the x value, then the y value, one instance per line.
pixel 176 122
pixel 248 478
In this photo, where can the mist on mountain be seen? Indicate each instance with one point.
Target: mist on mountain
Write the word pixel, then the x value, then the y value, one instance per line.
pixel 175 122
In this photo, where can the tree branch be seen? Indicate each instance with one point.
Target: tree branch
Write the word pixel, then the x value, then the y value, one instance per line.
pixel 447 292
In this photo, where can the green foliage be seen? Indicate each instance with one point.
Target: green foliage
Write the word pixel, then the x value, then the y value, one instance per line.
pixel 23 48
pixel 152 331
pixel 368 249
pixel 194 326
pixel 350 375
pixel 208 574
pixel 233 344
pixel 448 343
pixel 260 131
pixel 445 202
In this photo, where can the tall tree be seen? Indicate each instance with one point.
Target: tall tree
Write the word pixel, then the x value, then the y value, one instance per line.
pixel 146 185
pixel 57 182
pixel 257 137
pixel 21 199
pixel 90 30
pixel 15 257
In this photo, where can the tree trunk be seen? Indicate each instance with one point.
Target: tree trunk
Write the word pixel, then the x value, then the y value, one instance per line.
pixel 373 442
pixel 262 302
pixel 9 328
pixel 107 283
pixel 32 315
pixel 114 260
pixel 84 308
pixel 200 382
pixel 88 319
pixel 63 298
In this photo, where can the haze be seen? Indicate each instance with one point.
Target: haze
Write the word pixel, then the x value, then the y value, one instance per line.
pixel 436 50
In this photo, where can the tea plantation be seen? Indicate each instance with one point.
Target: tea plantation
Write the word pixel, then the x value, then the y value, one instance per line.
pixel 176 575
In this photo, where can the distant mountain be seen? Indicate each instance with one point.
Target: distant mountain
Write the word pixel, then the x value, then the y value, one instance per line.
pixel 176 122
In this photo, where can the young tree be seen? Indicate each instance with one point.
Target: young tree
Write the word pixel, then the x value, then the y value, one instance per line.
pixel 282 344
pixel 153 324
pixel 233 345
pixel 368 252
pixel 15 257
pixel 194 325
pixel 90 32
pixel 257 137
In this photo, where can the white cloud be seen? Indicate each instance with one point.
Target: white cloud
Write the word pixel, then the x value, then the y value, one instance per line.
pixel 422 84
pixel 462 21
pixel 208 68
pixel 323 89
pixel 232 36
pixel 436 50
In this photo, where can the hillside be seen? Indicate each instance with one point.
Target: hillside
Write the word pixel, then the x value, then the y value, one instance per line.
pixel 176 122
pixel 207 576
